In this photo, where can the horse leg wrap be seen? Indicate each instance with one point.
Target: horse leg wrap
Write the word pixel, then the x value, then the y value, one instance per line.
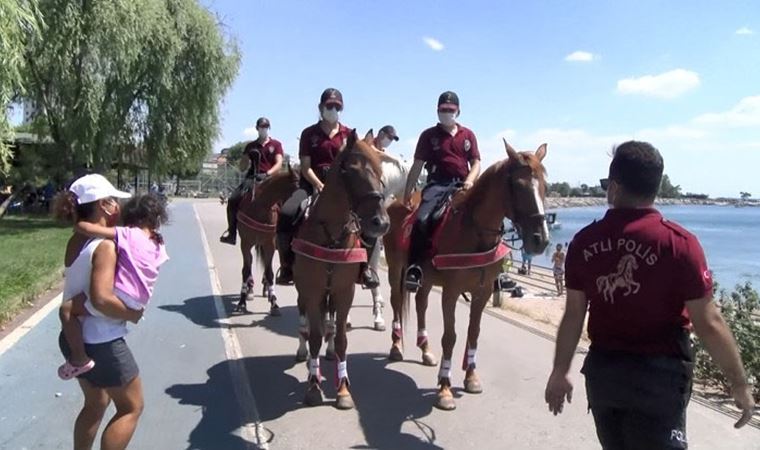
pixel 342 372
pixel 314 369
pixel 396 333
pixel 468 362
pixel 445 370
pixel 422 338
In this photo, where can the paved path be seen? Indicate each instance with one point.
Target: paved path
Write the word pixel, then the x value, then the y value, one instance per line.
pixel 193 402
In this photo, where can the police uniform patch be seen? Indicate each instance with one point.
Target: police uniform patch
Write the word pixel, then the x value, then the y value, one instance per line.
pixel 467 145
pixel 435 143
pixel 314 141
pixel 271 149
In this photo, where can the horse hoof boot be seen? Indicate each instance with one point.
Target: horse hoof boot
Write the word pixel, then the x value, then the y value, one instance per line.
pixel 379 326
pixel 395 354
pixel 240 308
pixel 344 402
pixel 314 396
pixel 445 402
pixel 428 359
pixel 274 310
pixel 473 386
pixel 301 356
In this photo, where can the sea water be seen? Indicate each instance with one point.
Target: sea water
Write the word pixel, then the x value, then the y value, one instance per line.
pixel 730 237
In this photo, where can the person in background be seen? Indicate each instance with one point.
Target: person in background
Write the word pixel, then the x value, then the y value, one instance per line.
pixel 644 281
pixel 558 268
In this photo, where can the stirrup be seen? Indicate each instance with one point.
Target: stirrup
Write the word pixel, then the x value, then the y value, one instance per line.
pixel 413 278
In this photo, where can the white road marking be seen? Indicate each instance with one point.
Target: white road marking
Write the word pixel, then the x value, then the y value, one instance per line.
pixel 14 336
pixel 252 431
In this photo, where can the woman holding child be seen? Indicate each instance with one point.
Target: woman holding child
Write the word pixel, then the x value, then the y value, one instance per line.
pixel 109 277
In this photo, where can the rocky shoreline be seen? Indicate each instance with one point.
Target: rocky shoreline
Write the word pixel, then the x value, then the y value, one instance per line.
pixel 578 202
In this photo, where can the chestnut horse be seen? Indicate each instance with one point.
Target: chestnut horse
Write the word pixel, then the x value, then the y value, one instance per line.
pixel 469 253
pixel 257 220
pixel 328 254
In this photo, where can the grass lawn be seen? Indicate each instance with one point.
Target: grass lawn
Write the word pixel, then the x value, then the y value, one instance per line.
pixel 31 259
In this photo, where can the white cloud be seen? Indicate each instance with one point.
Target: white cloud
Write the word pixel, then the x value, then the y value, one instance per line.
pixel 580 56
pixel 250 131
pixel 670 132
pixel 744 31
pixel 666 85
pixel 433 43
pixel 746 113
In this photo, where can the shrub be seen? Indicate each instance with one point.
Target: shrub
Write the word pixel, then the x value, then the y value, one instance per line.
pixel 741 310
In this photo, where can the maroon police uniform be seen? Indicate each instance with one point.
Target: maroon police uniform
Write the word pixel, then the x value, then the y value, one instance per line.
pixel 322 149
pixel 637 271
pixel 447 156
pixel 268 151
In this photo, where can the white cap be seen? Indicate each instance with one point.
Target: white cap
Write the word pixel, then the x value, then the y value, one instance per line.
pixel 93 187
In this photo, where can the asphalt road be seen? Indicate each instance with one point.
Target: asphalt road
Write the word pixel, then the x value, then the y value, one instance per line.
pixel 232 383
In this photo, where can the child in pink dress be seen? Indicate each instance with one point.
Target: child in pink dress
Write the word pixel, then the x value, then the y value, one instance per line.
pixel 140 254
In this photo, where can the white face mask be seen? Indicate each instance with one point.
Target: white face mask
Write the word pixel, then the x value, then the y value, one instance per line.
pixel 331 115
pixel 263 133
pixel 447 118
pixel 385 142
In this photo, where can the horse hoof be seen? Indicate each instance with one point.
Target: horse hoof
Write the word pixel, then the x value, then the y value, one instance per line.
pixel 395 354
pixel 240 308
pixel 445 402
pixel 301 356
pixel 344 402
pixel 428 359
pixel 473 386
pixel 330 355
pixel 314 396
pixel 275 310
pixel 379 326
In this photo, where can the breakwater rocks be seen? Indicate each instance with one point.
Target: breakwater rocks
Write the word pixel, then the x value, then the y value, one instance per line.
pixel 576 202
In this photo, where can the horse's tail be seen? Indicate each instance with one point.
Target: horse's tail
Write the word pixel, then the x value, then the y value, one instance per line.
pixel 259 256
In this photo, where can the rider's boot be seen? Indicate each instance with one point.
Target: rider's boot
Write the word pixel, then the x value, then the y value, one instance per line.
pixel 285 274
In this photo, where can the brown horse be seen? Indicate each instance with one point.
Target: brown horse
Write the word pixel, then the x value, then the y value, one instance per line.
pixel 328 254
pixel 469 252
pixel 257 219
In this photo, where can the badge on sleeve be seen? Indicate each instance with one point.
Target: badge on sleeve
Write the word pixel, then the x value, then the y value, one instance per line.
pixel 271 149
pixel 467 145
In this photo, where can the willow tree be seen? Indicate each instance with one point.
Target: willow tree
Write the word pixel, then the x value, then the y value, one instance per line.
pixel 120 76
pixel 16 23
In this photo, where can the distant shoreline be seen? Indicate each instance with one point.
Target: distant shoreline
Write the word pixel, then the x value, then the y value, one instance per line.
pixel 579 202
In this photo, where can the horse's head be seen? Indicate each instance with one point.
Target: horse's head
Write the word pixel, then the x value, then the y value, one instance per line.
pixel 361 173
pixel 527 188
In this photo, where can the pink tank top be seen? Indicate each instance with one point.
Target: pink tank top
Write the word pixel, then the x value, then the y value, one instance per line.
pixel 139 258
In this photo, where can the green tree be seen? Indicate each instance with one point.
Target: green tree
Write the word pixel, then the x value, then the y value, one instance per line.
pixel 668 190
pixel 745 195
pixel 113 75
pixel 562 189
pixel 16 24
pixel 235 152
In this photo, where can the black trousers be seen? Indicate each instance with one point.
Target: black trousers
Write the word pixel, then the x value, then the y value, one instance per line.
pixel 638 402
pixel 432 196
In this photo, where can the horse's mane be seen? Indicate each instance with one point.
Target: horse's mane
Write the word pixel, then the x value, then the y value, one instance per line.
pixel 279 182
pixel 500 170
pixel 363 149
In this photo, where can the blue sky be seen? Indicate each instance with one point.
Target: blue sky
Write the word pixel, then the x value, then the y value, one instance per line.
pixel 581 76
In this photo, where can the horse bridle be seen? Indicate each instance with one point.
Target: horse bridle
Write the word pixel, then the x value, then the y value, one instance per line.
pixel 536 215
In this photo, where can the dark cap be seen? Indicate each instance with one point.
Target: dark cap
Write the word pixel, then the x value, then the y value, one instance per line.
pixel 390 131
pixel 262 122
pixel 331 95
pixel 448 98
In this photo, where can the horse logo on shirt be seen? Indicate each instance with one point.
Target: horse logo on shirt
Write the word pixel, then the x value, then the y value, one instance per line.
pixel 622 278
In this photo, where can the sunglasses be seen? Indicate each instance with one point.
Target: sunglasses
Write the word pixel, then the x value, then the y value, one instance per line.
pixel 336 106
pixel 604 183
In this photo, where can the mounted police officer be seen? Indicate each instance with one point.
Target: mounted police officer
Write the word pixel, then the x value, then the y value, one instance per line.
pixel 261 158
pixel 449 151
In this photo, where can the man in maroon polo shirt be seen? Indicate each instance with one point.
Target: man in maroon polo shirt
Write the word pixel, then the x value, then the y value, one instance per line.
pixel 644 281
pixel 319 145
pixel 449 151
pixel 261 158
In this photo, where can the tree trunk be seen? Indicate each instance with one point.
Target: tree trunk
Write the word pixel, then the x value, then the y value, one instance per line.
pixel 7 203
